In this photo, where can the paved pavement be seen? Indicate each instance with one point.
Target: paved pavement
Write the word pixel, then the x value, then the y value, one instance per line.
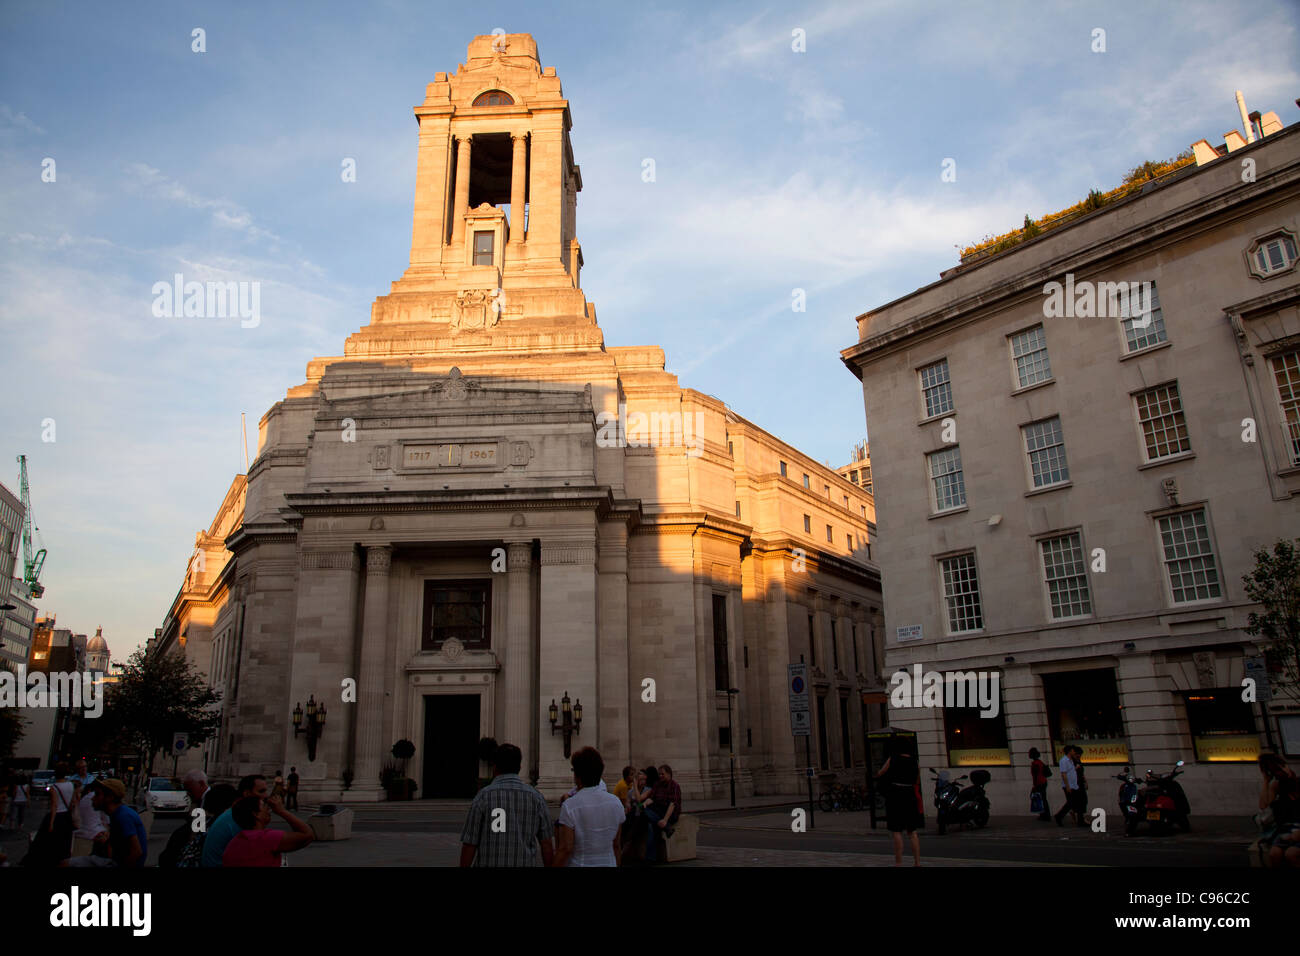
pixel 758 833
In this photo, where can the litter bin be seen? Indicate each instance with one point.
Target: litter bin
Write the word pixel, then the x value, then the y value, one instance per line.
pixel 332 821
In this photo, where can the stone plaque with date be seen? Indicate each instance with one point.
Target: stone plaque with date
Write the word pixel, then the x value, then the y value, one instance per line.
pixel 486 456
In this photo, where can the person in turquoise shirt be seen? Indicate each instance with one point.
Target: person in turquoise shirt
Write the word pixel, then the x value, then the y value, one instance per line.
pixel 224 828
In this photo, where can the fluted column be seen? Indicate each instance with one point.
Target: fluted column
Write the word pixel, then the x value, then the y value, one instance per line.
pixel 519 657
pixel 518 179
pixel 370 687
pixel 461 203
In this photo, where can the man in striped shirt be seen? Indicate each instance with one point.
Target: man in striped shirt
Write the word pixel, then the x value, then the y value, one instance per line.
pixel 508 823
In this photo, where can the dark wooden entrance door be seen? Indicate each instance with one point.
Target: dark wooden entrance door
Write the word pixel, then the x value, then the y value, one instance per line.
pixel 451 735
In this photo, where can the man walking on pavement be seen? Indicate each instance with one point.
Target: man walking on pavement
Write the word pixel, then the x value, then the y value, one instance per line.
pixel 1070 783
pixel 509 823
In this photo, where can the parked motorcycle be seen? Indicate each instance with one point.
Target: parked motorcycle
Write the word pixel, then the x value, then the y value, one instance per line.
pixel 1160 802
pixel 955 804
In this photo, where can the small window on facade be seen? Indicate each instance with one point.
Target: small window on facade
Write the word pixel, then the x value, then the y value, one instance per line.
pixel 1164 428
pixel 1067 576
pixel 459 609
pixel 830 534
pixel 783 470
pixel 1046 450
pixel 961 593
pixel 1273 255
pixel 807 524
pixel 737 509
pixel 1286 372
pixel 946 482
pixel 936 389
pixel 1141 331
pixel 721 660
pixel 846 502
pixel 807 483
pixel 483 248
pixel 1029 352
pixel 1189 558
pixel 494 98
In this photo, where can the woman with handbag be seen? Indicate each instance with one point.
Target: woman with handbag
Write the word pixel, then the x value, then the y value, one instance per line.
pixel 901 779
pixel 1038 792
pixel 52 842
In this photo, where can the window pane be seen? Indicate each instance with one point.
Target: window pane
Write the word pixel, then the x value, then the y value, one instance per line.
pixel 946 479
pixel 1029 349
pixel 961 592
pixel 1286 371
pixel 1142 331
pixel 1164 429
pixel 1067 576
pixel 936 388
pixel 1189 560
pixel 1046 449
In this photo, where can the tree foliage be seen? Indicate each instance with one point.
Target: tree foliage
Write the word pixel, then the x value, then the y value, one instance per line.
pixel 1274 584
pixel 12 723
pixel 160 695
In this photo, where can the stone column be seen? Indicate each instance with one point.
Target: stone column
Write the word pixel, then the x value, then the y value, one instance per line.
pixel 518 181
pixel 370 687
pixel 460 204
pixel 519 653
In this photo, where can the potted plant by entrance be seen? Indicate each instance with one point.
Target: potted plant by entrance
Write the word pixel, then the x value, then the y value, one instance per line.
pixel 395 780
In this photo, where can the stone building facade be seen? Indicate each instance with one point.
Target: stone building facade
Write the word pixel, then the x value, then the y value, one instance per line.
pixel 480 508
pixel 1072 487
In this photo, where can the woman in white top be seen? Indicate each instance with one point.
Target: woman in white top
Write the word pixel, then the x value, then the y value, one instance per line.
pixel 90 823
pixel 588 831
pixel 62 818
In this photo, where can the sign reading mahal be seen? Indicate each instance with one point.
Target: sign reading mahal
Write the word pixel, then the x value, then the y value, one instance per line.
pixel 434 521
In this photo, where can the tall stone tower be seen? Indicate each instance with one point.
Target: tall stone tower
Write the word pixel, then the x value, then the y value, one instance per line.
pixel 493 250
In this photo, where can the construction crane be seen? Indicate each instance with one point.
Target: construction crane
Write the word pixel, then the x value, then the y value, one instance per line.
pixel 32 564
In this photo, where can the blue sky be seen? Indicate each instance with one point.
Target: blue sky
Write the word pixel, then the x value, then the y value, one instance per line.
pixel 775 170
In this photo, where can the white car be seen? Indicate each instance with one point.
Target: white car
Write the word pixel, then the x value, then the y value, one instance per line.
pixel 166 795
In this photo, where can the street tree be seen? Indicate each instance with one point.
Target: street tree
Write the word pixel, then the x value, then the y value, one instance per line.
pixel 159 695
pixel 1274 584
pixel 12 723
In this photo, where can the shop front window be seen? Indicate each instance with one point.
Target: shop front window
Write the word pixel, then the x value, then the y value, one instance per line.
pixel 1222 725
pixel 976 736
pixel 1083 710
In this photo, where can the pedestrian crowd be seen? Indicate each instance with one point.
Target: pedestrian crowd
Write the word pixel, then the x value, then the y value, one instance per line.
pixel 87 822
pixel 509 822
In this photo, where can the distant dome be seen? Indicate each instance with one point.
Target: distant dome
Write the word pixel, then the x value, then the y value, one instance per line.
pixel 97 643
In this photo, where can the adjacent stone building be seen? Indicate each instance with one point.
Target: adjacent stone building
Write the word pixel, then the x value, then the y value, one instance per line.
pixel 1074 473
pixel 480 510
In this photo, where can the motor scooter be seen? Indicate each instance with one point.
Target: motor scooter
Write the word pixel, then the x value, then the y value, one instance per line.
pixel 956 804
pixel 1161 802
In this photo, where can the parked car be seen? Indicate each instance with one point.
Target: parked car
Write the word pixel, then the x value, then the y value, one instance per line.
pixel 166 795
pixel 41 780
